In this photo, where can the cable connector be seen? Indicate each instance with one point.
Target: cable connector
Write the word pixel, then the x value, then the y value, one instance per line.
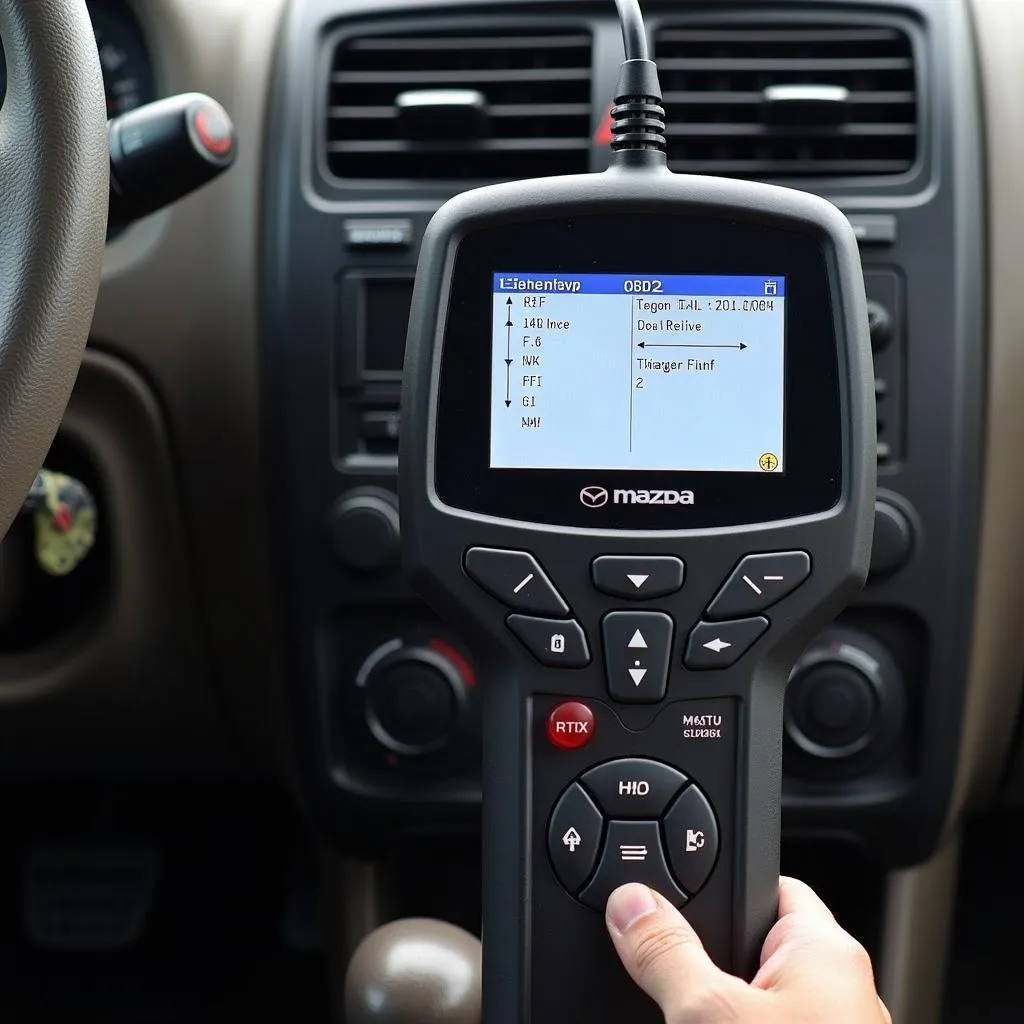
pixel 638 117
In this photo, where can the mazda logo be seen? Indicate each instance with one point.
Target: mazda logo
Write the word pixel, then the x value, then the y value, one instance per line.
pixel 594 497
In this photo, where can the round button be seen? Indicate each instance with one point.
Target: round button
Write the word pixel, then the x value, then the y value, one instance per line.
pixel 365 531
pixel 571 725
pixel 893 542
pixel 415 701
pixel 838 708
pixel 845 697
pixel 413 705
pixel 879 325
pixel 214 130
pixel 832 709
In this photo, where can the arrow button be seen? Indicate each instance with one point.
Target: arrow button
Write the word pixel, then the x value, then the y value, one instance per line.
pixel 637 655
pixel 574 837
pixel 721 644
pixel 637 675
pixel 718 645
pixel 638 640
pixel 758 582
pixel 516 579
pixel 638 577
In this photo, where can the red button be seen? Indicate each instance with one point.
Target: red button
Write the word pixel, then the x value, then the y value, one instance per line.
pixel 214 131
pixel 571 725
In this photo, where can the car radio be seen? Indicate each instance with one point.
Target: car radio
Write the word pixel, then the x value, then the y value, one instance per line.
pixel 637 466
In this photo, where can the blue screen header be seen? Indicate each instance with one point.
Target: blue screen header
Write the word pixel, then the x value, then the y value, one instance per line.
pixel 639 284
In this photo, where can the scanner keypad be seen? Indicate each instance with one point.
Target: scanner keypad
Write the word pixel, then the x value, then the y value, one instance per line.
pixel 633 820
pixel 638 646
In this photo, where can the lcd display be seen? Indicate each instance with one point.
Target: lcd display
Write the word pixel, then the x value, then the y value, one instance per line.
pixel 563 375
pixel 638 372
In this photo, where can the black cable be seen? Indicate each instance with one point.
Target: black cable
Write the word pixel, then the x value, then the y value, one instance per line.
pixel 638 117
pixel 634 35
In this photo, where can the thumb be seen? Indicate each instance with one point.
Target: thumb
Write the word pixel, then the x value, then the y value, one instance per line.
pixel 659 948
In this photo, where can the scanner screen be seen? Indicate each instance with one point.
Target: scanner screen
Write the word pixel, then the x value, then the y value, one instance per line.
pixel 638 372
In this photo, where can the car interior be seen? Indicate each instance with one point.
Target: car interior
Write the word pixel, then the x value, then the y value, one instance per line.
pixel 235 740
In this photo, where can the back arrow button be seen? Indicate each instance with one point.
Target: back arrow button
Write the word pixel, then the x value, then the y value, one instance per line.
pixel 718 645
pixel 721 644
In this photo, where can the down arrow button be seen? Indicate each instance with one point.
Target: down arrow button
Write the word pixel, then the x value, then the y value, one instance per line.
pixel 637 655
pixel 638 577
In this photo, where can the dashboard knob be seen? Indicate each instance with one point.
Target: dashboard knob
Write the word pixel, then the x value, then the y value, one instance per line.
pixel 365 531
pixel 845 696
pixel 879 325
pixel 893 542
pixel 415 696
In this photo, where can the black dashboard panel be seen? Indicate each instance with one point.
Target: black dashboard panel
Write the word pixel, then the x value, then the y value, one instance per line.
pixel 338 253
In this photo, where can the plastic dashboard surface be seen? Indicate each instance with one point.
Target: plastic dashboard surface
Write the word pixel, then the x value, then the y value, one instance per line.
pixel 926 270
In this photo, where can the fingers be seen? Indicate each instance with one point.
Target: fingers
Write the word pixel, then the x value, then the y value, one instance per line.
pixel 658 947
pixel 807 944
pixel 811 968
pixel 796 899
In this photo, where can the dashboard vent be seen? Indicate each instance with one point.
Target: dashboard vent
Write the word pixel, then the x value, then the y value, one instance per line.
pixel 492 104
pixel 783 101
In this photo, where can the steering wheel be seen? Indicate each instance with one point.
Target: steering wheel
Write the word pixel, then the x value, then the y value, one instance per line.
pixel 54 192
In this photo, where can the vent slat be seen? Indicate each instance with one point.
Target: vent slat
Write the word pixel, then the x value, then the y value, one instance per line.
pixel 785 65
pixel 390 113
pixel 471 77
pixel 770 35
pixel 535 119
pixel 789 131
pixel 740 98
pixel 714 77
pixel 430 43
pixel 762 168
pixel 452 146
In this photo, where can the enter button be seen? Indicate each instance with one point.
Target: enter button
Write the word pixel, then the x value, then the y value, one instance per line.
pixel 633 787
pixel 691 839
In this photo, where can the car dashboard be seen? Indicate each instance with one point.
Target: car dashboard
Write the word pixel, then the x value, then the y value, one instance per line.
pixel 237 414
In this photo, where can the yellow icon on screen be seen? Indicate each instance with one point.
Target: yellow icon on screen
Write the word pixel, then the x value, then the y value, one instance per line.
pixel 768 462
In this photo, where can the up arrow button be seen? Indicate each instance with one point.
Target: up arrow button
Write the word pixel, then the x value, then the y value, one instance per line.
pixel 638 640
pixel 637 655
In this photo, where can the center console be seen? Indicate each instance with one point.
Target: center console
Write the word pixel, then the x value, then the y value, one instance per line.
pixel 385 694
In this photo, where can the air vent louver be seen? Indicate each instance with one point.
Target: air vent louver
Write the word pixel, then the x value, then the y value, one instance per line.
pixel 527 93
pixel 722 121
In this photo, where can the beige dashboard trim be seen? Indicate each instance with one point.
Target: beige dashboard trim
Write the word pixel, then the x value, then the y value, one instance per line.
pixel 128 689
pixel 919 912
pixel 996 667
pixel 180 301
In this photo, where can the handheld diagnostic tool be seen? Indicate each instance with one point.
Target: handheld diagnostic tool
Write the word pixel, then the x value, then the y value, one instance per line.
pixel 637 463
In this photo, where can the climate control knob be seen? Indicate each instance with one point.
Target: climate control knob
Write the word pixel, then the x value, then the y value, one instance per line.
pixel 845 695
pixel 415 696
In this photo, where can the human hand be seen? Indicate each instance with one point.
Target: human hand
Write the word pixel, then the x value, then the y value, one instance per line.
pixel 812 971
